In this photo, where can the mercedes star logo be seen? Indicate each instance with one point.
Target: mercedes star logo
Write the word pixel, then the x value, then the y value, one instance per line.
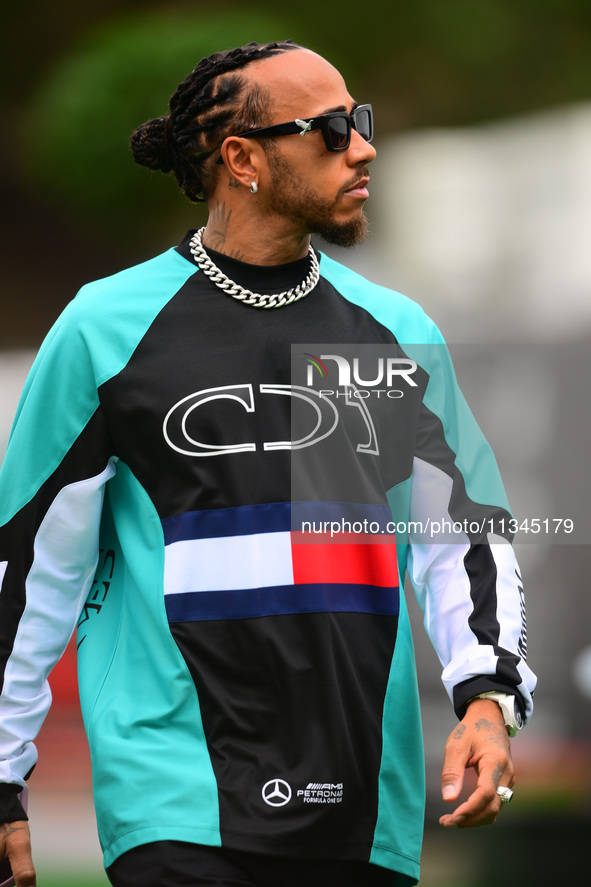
pixel 276 793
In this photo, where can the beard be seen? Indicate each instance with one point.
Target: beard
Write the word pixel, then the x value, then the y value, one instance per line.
pixel 293 198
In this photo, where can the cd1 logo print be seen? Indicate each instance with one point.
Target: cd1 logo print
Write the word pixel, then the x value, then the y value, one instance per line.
pixel 325 413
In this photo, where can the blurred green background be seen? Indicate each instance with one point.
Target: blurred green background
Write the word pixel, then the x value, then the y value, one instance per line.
pixel 77 79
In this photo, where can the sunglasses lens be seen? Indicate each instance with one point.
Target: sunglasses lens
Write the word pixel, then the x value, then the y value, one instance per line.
pixel 339 132
pixel 363 124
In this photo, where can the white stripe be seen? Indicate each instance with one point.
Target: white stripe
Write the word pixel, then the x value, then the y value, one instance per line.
pixel 65 555
pixel 3 565
pixel 436 568
pixel 229 562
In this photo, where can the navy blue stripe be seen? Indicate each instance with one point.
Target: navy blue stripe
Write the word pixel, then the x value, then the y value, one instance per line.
pixel 244 520
pixel 280 600
pixel 273 517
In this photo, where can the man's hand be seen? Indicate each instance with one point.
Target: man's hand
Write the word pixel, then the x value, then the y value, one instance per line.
pixel 15 844
pixel 480 741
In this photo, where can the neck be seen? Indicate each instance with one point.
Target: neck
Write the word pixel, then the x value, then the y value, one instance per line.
pixel 246 236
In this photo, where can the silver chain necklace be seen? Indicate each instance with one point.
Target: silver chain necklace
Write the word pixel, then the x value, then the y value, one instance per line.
pixel 275 300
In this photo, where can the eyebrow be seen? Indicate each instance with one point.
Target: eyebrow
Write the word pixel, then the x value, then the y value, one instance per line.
pixel 338 108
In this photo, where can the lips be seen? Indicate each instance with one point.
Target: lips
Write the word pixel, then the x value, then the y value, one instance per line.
pixel 358 189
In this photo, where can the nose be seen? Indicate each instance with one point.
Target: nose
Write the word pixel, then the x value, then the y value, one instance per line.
pixel 360 151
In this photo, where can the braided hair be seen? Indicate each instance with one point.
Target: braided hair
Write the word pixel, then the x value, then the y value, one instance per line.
pixel 213 101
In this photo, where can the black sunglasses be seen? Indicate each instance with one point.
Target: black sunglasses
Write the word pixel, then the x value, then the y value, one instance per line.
pixel 336 128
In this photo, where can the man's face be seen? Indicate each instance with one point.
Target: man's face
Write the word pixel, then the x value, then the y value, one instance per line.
pixel 292 196
pixel 312 189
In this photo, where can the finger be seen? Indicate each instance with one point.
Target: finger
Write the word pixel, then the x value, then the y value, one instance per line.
pixel 475 808
pixel 23 870
pixel 480 808
pixel 24 875
pixel 18 851
pixel 454 764
pixel 449 821
pixel 484 804
pixel 502 776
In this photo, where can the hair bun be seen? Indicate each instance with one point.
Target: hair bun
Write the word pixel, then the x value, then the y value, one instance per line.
pixel 149 145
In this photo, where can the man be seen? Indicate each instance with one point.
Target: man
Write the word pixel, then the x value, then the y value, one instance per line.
pixel 247 682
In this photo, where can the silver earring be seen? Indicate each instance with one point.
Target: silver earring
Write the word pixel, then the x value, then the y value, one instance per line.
pixel 253 187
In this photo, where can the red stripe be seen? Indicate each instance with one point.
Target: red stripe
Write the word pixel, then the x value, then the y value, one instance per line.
pixel 346 563
pixel 325 538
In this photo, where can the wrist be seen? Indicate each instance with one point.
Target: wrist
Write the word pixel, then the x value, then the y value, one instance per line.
pixel 507 705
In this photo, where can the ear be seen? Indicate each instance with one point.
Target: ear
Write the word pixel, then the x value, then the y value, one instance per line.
pixel 243 159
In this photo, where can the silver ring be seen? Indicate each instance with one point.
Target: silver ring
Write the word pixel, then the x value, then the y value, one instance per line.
pixel 505 794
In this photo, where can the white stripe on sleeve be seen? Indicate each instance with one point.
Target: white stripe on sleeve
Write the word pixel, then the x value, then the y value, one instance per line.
pixel 65 556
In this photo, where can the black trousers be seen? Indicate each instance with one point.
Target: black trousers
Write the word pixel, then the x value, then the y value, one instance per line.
pixel 179 864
